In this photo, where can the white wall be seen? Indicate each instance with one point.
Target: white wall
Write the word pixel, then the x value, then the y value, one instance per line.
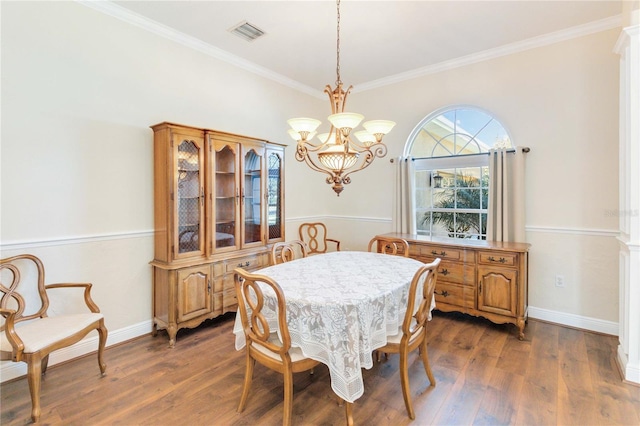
pixel 80 90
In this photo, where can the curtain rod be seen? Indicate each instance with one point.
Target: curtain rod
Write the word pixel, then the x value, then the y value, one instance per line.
pixel 524 149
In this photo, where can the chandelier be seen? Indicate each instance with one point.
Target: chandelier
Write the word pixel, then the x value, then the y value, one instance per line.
pixel 337 154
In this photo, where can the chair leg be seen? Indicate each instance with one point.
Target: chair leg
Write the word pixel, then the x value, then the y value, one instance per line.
pixel 34 371
pixel 404 379
pixel 248 374
pixel 102 333
pixel 44 364
pixel 425 360
pixel 288 397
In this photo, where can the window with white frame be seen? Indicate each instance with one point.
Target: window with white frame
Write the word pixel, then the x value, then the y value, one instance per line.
pixel 451 177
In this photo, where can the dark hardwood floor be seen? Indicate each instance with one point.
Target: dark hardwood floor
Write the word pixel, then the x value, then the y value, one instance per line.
pixel 484 375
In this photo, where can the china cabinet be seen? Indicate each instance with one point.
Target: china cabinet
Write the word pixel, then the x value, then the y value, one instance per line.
pixel 218 205
pixel 482 278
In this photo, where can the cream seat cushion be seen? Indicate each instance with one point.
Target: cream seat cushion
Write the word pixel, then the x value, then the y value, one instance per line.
pixel 395 339
pixel 40 333
pixel 295 353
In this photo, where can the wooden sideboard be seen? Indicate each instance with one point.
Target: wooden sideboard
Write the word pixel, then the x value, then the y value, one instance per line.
pixel 482 278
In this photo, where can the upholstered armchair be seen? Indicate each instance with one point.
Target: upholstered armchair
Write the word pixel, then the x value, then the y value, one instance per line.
pixel 27 333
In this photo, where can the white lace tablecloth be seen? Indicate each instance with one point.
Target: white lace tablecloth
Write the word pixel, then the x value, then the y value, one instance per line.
pixel 340 307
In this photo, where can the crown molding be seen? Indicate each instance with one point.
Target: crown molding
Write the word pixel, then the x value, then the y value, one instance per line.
pixel 126 15
pixel 130 17
pixel 507 49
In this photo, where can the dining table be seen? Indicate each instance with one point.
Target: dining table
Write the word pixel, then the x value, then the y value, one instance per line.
pixel 341 307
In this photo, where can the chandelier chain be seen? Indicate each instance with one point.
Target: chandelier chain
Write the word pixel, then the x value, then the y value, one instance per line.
pixel 338 81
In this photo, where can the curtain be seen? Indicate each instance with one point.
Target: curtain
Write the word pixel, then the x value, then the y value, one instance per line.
pixel 404 217
pixel 506 215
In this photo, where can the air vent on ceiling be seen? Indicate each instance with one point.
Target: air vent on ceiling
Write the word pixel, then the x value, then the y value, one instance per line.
pixel 247 31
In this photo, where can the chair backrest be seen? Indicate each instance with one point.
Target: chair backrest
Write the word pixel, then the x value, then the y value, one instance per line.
pixel 22 281
pixel 389 245
pixel 423 284
pixel 251 301
pixel 315 236
pixel 285 251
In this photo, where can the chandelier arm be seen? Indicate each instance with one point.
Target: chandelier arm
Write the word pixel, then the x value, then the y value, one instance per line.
pixel 311 147
pixel 361 147
pixel 368 158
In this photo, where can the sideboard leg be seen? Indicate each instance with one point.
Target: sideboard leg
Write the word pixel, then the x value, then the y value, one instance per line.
pixel 520 323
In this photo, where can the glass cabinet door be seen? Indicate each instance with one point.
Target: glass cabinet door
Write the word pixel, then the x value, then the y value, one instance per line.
pixel 252 195
pixel 189 200
pixel 227 195
pixel 275 191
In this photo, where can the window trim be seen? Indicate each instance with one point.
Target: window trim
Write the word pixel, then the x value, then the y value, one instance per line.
pixel 453 161
pixel 416 130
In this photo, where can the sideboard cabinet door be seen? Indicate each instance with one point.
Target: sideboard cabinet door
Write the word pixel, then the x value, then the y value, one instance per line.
pixel 497 290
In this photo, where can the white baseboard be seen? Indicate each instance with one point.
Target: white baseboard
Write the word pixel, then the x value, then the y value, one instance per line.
pixel 10 370
pixel 631 372
pixel 572 320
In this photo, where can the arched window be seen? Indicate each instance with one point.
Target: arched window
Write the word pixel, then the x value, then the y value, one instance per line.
pixel 451 176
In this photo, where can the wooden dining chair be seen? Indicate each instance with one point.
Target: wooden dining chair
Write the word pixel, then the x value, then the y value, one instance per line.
pixel 40 334
pixel 413 332
pixel 262 342
pixel 286 251
pixel 315 236
pixel 389 245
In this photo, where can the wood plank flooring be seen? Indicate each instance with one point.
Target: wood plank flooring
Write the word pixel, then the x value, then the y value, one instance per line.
pixel 484 375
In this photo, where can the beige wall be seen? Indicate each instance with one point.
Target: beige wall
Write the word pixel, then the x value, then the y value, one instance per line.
pixel 561 101
pixel 80 90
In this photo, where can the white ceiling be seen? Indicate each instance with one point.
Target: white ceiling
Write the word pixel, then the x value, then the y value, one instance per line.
pixel 380 40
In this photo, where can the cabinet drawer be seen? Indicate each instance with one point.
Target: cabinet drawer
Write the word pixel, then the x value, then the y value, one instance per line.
pixel 437 251
pixel 460 273
pixel 497 258
pixel 229 299
pixel 455 295
pixel 248 262
pixel 443 252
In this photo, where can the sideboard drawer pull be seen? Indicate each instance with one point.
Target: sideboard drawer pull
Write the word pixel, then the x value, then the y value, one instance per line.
pixel 444 272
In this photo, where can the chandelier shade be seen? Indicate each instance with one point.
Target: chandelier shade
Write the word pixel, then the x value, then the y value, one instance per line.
pixel 365 137
pixel 381 127
pixel 337 155
pixel 345 120
pixel 336 158
pixel 304 124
